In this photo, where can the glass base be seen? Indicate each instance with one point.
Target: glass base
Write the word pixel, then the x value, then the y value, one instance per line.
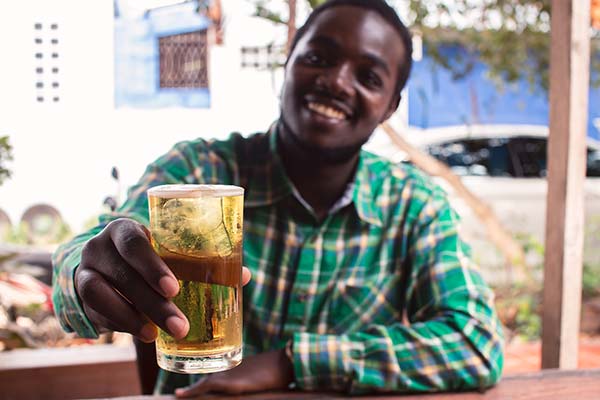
pixel 199 364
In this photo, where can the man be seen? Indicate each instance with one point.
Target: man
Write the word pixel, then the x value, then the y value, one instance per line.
pixel 360 280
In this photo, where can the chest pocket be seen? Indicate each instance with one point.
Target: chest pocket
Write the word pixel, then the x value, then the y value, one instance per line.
pixel 358 303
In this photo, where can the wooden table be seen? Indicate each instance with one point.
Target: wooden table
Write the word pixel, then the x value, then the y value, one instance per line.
pixel 546 385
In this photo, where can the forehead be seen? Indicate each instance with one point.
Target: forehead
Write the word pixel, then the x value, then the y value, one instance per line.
pixel 359 30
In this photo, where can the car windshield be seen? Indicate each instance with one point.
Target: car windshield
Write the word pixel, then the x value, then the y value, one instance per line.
pixel 518 157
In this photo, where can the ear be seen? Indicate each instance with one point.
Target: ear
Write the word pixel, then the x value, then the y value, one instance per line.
pixel 392 107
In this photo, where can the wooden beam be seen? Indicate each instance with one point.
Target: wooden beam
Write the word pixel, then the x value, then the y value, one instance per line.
pixel 569 85
pixel 69 373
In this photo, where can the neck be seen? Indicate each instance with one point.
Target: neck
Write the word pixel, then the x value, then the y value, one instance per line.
pixel 320 183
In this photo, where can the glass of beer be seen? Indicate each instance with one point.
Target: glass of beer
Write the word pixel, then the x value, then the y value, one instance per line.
pixel 197 231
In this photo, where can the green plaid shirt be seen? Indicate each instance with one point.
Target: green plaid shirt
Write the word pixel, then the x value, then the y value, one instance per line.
pixel 380 296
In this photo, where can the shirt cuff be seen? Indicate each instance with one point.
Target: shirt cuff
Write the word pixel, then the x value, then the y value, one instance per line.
pixel 319 362
pixel 71 315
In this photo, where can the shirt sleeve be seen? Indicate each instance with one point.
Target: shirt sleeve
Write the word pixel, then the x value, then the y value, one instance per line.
pixel 453 339
pixel 187 162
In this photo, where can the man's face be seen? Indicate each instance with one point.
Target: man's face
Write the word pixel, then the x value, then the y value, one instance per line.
pixel 341 79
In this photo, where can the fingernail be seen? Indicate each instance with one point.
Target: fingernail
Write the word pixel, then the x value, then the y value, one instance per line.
pixel 177 326
pixel 169 286
pixel 148 332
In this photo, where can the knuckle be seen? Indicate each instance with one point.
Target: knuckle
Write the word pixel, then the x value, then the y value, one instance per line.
pixel 119 222
pixel 89 251
pixel 129 242
pixel 86 284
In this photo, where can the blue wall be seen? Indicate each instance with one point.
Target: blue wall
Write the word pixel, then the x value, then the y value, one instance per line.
pixel 137 59
pixel 436 100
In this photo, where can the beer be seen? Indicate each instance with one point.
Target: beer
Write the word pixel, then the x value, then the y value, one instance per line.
pixel 197 231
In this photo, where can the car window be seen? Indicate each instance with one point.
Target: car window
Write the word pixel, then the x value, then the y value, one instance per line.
pixel 530 156
pixel 481 157
pixel 593 163
pixel 519 157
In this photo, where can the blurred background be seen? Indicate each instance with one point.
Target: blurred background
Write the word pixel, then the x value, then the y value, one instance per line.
pixel 91 92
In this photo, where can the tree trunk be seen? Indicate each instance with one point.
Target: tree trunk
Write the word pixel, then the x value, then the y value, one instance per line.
pixel 291 24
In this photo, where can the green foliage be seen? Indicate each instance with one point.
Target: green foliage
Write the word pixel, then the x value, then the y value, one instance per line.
pixel 591 280
pixel 5 155
pixel 263 11
pixel 21 234
pixel 528 322
pixel 512 37
pixel 591 266
pixel 519 310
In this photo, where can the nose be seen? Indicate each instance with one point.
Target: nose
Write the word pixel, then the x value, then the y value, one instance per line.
pixel 339 80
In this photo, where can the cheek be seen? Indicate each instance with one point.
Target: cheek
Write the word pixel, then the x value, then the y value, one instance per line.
pixel 376 105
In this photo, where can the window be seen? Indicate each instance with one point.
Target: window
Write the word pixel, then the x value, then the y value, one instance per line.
pixel 183 60
pixel 593 163
pixel 482 157
pixel 519 157
pixel 46 55
pixel 530 156
pixel 263 57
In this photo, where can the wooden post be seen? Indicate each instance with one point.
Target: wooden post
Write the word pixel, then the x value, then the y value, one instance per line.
pixel 569 85
pixel 291 24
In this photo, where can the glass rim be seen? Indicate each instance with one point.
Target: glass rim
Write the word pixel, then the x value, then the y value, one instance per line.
pixel 195 190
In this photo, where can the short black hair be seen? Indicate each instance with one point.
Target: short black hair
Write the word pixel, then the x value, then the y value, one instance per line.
pixel 386 12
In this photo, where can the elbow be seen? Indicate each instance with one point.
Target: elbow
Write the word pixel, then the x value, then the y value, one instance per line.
pixel 493 372
pixel 491 358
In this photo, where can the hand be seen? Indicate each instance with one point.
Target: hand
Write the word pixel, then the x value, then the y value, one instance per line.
pixel 124 285
pixel 262 372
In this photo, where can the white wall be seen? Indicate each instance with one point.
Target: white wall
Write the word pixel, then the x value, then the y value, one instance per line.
pixel 63 152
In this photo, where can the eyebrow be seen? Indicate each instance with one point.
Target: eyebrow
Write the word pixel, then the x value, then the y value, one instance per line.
pixel 378 62
pixel 333 44
pixel 325 40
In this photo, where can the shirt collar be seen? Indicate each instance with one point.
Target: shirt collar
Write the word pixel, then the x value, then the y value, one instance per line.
pixel 268 183
pixel 364 196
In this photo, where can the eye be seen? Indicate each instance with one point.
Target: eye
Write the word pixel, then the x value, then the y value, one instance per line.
pixel 313 58
pixel 372 79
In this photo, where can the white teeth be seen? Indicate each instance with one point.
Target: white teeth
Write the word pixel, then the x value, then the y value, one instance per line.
pixel 326 111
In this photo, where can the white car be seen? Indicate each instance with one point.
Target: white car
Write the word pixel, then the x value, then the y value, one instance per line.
pixel 505 166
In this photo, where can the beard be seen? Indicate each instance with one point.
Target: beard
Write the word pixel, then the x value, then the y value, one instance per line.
pixel 322 155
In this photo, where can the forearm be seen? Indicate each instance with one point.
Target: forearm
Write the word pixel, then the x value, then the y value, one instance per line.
pixel 454 351
pixel 65 260
pixel 67 306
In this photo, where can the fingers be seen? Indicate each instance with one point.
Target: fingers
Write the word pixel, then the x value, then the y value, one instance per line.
pixel 146 300
pixel 246 276
pixel 120 263
pixel 202 386
pixel 131 241
pixel 105 307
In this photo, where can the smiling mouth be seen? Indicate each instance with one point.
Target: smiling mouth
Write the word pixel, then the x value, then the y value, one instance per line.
pixel 327 111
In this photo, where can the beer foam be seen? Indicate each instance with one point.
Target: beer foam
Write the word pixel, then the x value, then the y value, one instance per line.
pixel 193 191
